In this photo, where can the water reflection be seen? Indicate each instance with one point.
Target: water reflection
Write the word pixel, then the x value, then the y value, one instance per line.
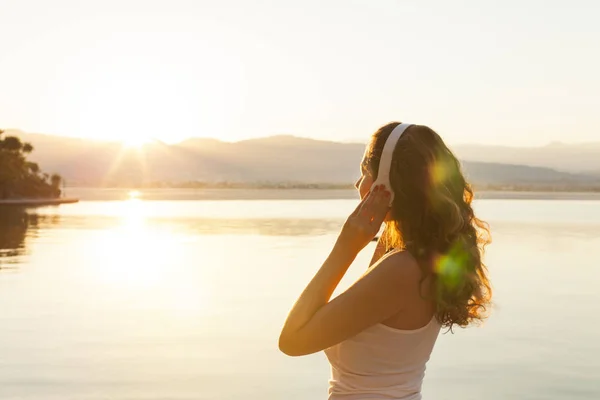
pixel 143 299
pixel 17 225
pixel 264 226
pixel 148 268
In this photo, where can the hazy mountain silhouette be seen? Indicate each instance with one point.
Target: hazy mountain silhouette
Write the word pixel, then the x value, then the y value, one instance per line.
pixel 285 159
pixel 580 158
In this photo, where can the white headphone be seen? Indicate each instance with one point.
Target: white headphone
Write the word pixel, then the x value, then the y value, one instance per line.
pixel 385 162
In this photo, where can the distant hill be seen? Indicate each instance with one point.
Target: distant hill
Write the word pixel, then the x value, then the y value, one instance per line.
pixel 507 176
pixel 579 158
pixel 266 160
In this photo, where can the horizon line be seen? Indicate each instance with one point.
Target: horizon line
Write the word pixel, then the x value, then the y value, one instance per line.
pixel 284 135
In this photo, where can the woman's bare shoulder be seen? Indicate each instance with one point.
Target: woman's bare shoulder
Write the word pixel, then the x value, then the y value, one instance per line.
pixel 398 264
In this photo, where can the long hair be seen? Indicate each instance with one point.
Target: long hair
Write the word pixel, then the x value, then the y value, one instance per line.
pixel 432 218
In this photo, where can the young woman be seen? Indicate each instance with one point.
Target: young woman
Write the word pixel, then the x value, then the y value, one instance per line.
pixel 426 272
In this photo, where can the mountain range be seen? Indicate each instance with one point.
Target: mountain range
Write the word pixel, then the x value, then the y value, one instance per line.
pixel 577 158
pixel 289 159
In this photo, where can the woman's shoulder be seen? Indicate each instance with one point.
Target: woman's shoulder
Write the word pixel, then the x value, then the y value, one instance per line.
pixel 414 288
pixel 399 263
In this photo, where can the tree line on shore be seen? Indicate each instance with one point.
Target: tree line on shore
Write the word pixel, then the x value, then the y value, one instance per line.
pixel 20 177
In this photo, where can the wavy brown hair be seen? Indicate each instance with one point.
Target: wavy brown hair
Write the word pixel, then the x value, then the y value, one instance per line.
pixel 432 218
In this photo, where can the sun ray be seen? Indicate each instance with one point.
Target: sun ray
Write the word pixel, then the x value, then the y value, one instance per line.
pixel 138 155
pixel 136 142
pixel 113 166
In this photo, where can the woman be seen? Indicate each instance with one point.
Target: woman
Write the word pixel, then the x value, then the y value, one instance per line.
pixel 426 273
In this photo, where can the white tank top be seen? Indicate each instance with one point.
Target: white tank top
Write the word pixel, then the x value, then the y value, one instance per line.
pixel 381 363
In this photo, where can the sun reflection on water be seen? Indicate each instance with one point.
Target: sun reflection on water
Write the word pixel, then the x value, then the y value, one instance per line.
pixel 145 264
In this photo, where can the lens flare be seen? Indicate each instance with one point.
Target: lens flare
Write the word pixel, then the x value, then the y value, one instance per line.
pixel 452 267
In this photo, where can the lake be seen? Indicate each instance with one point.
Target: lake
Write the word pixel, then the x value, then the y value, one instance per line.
pixel 146 298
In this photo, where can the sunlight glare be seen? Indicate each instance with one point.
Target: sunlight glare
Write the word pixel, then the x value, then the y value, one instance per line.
pixel 139 249
pixel 135 141
pixel 147 267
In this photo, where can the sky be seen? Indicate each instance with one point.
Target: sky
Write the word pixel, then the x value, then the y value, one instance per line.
pixel 520 73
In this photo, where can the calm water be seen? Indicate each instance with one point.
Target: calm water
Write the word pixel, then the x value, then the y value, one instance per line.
pixel 156 299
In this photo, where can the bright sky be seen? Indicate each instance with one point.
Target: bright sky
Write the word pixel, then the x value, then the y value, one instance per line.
pixel 511 72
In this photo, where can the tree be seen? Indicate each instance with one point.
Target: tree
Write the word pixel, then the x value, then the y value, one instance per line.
pixel 27 148
pixel 21 178
pixel 55 180
pixel 11 143
pixel 34 167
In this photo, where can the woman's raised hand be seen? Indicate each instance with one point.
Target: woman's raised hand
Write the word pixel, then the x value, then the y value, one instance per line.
pixel 364 223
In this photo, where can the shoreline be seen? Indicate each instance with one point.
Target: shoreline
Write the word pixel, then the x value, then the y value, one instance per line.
pixel 33 202
pixel 532 195
pixel 231 194
pixel 173 194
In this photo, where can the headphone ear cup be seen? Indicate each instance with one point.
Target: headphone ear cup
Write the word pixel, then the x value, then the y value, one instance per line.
pixel 391 196
pixel 389 189
pixel 387 186
pixel 385 162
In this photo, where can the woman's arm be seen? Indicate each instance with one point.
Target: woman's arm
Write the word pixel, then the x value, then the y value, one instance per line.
pixel 314 323
pixel 316 294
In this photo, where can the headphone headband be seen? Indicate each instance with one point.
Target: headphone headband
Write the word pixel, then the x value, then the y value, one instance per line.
pixel 385 162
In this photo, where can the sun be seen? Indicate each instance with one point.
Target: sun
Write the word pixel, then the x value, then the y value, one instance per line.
pixel 135 141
